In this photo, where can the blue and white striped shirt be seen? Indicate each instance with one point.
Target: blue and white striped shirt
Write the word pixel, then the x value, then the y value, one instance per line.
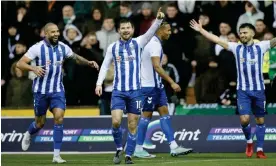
pixel 249 62
pixel 127 60
pixel 51 59
pixel 149 77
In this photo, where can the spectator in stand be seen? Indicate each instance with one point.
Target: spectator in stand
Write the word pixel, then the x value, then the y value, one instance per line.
pixel 85 77
pixel 72 37
pixel 271 56
pixel 82 8
pixel 186 6
pixel 223 11
pixel 270 17
pixel 232 37
pixel 251 15
pixel 19 91
pixel 224 29
pixel 125 12
pixel 229 96
pixel 20 49
pixel 227 62
pixel 110 8
pixel 173 73
pixel 260 29
pixel 144 20
pixel 69 17
pixel 203 54
pixel 107 34
pixel 8 52
pixel 180 45
pixel 94 23
pixel 272 69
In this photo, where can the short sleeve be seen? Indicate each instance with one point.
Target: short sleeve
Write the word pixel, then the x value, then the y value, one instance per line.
pixel 68 51
pixel 232 46
pixel 155 49
pixel 33 52
pixel 265 45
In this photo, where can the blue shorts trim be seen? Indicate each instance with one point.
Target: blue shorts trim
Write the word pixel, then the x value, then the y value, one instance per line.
pixel 52 100
pixel 128 101
pixel 251 101
pixel 153 98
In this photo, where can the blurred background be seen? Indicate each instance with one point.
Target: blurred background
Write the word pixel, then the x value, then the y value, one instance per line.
pixel 205 71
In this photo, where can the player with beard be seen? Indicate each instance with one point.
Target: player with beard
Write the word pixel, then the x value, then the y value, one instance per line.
pixel 126 95
pixel 250 82
pixel 48 89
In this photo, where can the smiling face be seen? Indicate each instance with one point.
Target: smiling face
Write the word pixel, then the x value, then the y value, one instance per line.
pixel 126 30
pixel 52 33
pixel 246 35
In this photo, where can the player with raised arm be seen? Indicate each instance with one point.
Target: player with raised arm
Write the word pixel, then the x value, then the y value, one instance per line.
pixel 155 95
pixel 126 96
pixel 250 82
pixel 48 89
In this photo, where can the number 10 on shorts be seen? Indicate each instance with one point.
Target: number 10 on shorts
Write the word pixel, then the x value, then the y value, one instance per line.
pixel 138 104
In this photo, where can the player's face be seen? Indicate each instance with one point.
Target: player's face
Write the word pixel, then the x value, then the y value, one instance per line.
pixel 246 35
pixel 167 32
pixel 52 34
pixel 126 31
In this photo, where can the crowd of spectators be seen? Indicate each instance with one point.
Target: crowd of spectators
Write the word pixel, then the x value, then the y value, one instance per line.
pixel 88 27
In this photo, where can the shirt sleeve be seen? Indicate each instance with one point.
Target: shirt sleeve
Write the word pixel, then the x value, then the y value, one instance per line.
pixel 68 51
pixel 33 52
pixel 145 38
pixel 157 49
pixel 105 65
pixel 265 45
pixel 232 46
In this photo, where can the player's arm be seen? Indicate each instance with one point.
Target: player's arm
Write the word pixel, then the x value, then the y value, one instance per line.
pixel 82 61
pixel 273 43
pixel 23 63
pixel 144 39
pixel 103 71
pixel 69 54
pixel 156 65
pixel 198 27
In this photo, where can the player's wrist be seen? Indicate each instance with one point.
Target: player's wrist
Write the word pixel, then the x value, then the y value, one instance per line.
pixel 33 68
pixel 172 83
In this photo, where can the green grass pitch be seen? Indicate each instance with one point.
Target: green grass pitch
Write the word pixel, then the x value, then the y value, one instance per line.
pixel 194 159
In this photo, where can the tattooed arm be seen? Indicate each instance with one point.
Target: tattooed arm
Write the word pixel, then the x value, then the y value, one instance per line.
pixel 82 61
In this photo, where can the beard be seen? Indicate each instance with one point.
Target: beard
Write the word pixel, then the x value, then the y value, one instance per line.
pixel 126 36
pixel 53 41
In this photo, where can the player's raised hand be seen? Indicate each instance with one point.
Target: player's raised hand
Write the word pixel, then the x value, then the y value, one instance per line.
pixel 160 14
pixel 175 87
pixel 93 64
pixel 196 26
pixel 39 71
pixel 99 90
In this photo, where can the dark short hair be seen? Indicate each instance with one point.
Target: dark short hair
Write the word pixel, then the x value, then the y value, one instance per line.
pixel 172 4
pixel 260 20
pixel 125 4
pixel 248 25
pixel 124 21
pixel 109 17
pixel 232 32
